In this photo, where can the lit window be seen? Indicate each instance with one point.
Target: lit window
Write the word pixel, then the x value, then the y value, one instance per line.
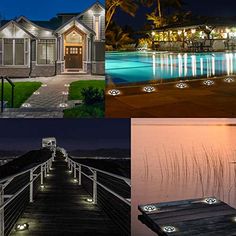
pixel 46 51
pixel 97 27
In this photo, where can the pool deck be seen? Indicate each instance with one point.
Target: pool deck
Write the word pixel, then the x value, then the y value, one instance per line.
pixel 196 101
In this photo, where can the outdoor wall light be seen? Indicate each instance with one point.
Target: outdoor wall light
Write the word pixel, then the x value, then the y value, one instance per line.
pixel 65 93
pixel 208 82
pixel 63 105
pixel 114 92
pixel 36 93
pixel 44 85
pixel 149 89
pixel 181 85
pixel 26 105
pixel 210 201
pixel 89 200
pixel 21 227
pixel 169 229
pixel 150 208
pixel 229 80
pixel 67 85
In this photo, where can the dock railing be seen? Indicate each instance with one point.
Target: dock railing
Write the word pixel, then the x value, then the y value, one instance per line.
pixel 18 190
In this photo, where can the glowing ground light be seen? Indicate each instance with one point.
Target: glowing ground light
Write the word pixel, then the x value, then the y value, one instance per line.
pixel 169 229
pixel 67 85
pixel 36 93
pixel 89 200
pixel 181 85
pixel 26 105
pixel 229 80
pixel 63 105
pixel 44 85
pixel 70 171
pixel 210 201
pixel 22 227
pixel 150 208
pixel 208 82
pixel 114 92
pixel 75 181
pixel 65 93
pixel 42 186
pixel 149 89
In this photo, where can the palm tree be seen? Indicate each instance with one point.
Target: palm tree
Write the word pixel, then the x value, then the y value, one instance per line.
pixel 128 6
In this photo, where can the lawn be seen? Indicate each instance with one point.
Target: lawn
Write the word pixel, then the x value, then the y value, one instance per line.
pixel 23 90
pixel 77 86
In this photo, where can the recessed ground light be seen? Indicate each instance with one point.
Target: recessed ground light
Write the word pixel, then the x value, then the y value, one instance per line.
pixel 169 229
pixel 21 227
pixel 65 93
pixel 229 80
pixel 149 89
pixel 36 93
pixel 44 85
pixel 181 85
pixel 26 105
pixel 210 201
pixel 67 85
pixel 208 82
pixel 63 105
pixel 89 200
pixel 114 92
pixel 150 208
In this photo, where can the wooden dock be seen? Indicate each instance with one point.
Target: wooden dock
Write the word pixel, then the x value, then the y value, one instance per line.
pixel 61 208
pixel 202 217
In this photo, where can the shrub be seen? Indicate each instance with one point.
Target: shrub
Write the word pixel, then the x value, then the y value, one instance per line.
pixel 92 95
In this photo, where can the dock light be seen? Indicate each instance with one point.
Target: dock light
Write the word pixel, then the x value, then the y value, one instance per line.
pixel 36 93
pixel 229 80
pixel 210 201
pixel 149 89
pixel 114 92
pixel 181 85
pixel 26 105
pixel 65 93
pixel 63 105
pixel 44 85
pixel 67 85
pixel 21 227
pixel 89 200
pixel 169 229
pixel 150 208
pixel 208 82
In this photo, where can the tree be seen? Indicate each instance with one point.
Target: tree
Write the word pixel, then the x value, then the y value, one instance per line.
pixel 128 6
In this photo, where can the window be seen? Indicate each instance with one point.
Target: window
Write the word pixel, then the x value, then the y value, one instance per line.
pixel 97 31
pixel 46 51
pixel 14 52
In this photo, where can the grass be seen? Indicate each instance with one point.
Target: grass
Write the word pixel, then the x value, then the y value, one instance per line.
pixel 77 86
pixel 85 111
pixel 23 90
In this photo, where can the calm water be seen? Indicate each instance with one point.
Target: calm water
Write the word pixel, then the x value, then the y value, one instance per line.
pixel 176 162
pixel 130 67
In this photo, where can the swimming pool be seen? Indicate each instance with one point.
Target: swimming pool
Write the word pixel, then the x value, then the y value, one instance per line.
pixel 134 67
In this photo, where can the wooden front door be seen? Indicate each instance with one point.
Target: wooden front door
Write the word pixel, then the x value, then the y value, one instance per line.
pixel 73 57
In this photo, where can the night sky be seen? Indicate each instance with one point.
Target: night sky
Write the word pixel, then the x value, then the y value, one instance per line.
pixel 42 9
pixel 72 134
pixel 198 7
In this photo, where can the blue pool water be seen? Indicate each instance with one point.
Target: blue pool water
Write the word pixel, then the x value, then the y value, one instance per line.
pixel 133 67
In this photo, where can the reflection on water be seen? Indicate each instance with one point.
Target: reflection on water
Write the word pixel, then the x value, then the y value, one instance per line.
pixel 143 66
pixel 181 162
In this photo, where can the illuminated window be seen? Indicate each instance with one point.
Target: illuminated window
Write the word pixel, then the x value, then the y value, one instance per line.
pixel 97 28
pixel 46 51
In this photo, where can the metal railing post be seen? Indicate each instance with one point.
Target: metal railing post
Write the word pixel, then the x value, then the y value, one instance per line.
pixel 41 175
pixel 69 163
pixel 80 175
pixel 95 187
pixel 45 170
pixel 31 185
pixel 71 166
pixel 1 211
pixel 74 170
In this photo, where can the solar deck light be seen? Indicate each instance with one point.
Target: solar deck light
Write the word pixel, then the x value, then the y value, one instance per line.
pixel 70 171
pixel 208 82
pixel 229 80
pixel 67 85
pixel 26 105
pixel 89 200
pixel 149 89
pixel 150 208
pixel 42 186
pixel 210 201
pixel 169 229
pixel 65 93
pixel 114 92
pixel 21 227
pixel 75 180
pixel 44 85
pixel 63 105
pixel 36 93
pixel 181 85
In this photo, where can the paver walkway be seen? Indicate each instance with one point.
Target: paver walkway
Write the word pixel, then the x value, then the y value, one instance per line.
pixel 45 103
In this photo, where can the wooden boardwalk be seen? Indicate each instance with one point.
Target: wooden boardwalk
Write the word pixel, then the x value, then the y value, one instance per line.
pixel 190 217
pixel 61 209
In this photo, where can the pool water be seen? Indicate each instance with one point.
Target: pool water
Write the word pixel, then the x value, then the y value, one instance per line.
pixel 134 67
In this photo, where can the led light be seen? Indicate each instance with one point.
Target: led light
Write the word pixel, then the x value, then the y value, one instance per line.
pixel 26 105
pixel 153 33
pixel 208 82
pixel 89 200
pixel 36 93
pixel 42 186
pixel 149 89
pixel 67 85
pixel 169 229
pixel 114 92
pixel 210 201
pixel 21 227
pixel 75 181
pixel 193 31
pixel 181 85
pixel 44 85
pixel 63 105
pixel 150 208
pixel 229 80
pixel 65 93
pixel 48 175
pixel 70 171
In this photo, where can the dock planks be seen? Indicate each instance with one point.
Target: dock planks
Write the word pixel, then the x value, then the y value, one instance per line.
pixel 61 209
pixel 190 217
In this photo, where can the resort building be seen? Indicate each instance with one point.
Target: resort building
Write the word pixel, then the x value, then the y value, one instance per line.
pixel 68 43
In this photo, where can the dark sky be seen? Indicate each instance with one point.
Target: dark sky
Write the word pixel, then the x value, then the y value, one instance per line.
pixel 24 134
pixel 199 7
pixel 42 9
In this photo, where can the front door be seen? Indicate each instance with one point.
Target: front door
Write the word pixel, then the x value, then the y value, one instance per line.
pixel 73 57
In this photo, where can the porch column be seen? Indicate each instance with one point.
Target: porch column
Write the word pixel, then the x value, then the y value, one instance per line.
pixel 92 51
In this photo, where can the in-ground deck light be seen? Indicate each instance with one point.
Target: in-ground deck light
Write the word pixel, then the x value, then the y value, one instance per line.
pixel 114 92
pixel 229 80
pixel 169 229
pixel 22 227
pixel 181 85
pixel 208 82
pixel 210 200
pixel 149 89
pixel 150 208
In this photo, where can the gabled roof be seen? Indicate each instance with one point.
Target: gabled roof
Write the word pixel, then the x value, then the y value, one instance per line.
pixel 18 25
pixel 94 4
